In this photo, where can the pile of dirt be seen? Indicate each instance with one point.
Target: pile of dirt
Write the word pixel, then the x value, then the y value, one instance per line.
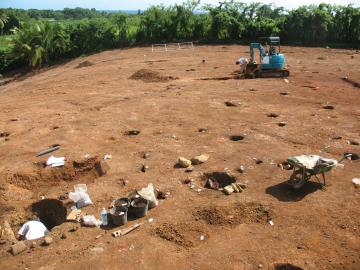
pixel 147 75
pixel 34 175
pixel 234 214
pixel 183 234
pixel 85 64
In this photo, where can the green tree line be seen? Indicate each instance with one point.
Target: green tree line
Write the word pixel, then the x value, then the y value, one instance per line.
pixel 36 37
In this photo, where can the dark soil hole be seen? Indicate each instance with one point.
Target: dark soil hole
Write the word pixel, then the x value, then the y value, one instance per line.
pixel 4 134
pixel 236 138
pixel 272 115
pixel 353 156
pixel 132 132
pixel 286 266
pixel 218 179
pixel 337 138
pixel 202 129
pixel 281 124
pixel 284 93
pixel 231 103
pixel 328 107
pixel 51 212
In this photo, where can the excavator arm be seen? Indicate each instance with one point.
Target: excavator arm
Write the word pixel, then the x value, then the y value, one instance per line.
pixel 256 46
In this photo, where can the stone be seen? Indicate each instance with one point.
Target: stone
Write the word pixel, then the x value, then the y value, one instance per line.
pixel 147 156
pixel 18 247
pixel 199 159
pixel 101 168
pixel 144 168
pixel 235 188
pixel 228 190
pixel 242 185
pixel 74 229
pixel 8 233
pixel 183 162
pixel 189 169
pixel 64 235
pixel 48 241
pixel 2 241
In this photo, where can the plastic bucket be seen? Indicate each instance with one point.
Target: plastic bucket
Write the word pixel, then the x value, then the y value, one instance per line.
pixel 122 202
pixel 139 207
pixel 119 215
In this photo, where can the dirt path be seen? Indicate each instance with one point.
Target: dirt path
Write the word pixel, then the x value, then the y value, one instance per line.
pixel 86 108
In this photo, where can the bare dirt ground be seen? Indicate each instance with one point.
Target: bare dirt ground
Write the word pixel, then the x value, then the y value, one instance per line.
pixel 87 104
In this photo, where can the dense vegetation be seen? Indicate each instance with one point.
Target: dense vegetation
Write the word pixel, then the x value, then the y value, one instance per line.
pixel 36 37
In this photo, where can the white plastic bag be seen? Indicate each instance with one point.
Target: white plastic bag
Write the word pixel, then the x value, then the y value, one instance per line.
pixel 80 196
pixel 148 193
pixel 91 221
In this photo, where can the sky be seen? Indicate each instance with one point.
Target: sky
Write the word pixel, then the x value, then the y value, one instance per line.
pixel 143 4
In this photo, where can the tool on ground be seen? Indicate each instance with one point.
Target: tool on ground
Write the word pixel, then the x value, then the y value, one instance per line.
pixel 306 166
pixel 126 231
pixel 49 150
pixel 271 60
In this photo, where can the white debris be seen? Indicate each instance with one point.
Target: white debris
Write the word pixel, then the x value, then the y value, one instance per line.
pixel 55 161
pixel 150 220
pixel 356 182
pixel 202 237
pixel 271 223
pixel 33 230
pixel 107 156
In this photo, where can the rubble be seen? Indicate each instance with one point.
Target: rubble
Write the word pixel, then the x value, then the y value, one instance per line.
pixel 183 162
pixel 18 248
pixel 199 159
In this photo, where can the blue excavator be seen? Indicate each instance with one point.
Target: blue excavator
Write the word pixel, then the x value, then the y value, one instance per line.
pixel 271 60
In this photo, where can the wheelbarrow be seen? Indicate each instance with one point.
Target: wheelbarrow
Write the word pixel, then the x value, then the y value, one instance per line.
pixel 304 167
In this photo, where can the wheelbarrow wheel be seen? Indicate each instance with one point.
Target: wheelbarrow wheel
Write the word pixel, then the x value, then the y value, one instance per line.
pixel 298 179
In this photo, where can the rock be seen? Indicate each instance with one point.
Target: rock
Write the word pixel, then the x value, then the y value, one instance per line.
pixel 47 241
pixel 183 162
pixel 235 188
pixel 132 132
pixel 2 241
pixel 101 168
pixel 74 229
pixel 242 185
pixel 241 169
pixel 144 168
pixel 228 190
pixel 356 182
pixel 189 169
pixel 18 247
pixel 147 156
pixel 199 159
pixel 64 235
pixel 8 233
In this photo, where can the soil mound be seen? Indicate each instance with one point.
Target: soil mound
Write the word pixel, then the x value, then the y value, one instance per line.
pixel 34 175
pixel 234 214
pixel 183 234
pixel 85 64
pixel 147 75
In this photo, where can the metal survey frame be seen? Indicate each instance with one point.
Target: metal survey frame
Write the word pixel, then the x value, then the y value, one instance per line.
pixel 172 46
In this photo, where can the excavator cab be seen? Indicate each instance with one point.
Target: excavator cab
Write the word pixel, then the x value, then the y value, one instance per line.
pixel 271 60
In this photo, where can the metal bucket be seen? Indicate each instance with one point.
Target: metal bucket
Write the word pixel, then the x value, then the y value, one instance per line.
pixel 139 207
pixel 119 215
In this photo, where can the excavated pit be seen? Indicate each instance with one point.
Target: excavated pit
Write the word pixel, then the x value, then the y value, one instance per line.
pixel 220 179
pixel 34 176
pixel 51 212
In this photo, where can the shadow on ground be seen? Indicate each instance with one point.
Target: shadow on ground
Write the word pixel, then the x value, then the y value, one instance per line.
pixel 283 192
